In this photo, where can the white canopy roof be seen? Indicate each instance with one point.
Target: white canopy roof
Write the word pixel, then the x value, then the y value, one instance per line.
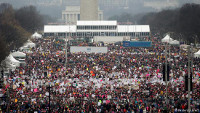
pixel 13 60
pixel 73 28
pixel 30 44
pixel 197 54
pixel 91 23
pixel 167 39
pixel 175 42
pixel 36 35
pixel 10 62
pixel 59 28
pixel 18 54
pixel 11 66
pixel 133 28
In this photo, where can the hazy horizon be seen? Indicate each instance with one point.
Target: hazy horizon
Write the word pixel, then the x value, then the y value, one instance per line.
pixel 54 8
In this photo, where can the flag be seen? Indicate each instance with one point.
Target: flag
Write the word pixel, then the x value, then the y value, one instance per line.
pixel 15 100
pixel 35 90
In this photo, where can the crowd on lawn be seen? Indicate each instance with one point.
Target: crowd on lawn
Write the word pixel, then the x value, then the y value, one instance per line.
pixel 124 80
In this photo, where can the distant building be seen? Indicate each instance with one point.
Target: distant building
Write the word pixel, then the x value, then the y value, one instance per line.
pixel 72 14
pixel 102 3
pixel 159 5
pixel 92 29
pixel 114 3
pixel 71 2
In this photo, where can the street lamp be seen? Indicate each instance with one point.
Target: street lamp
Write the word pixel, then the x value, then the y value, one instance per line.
pixel 66 53
pixel 195 37
pixel 190 72
pixel 66 46
pixel 49 87
pixel 166 71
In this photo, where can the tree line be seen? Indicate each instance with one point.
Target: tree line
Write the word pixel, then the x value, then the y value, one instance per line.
pixel 182 23
pixel 16 25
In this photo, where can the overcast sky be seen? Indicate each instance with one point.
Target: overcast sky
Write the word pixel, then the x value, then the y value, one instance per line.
pixel 54 8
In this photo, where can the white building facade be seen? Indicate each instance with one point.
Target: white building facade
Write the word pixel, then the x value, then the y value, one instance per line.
pixel 72 14
pixel 96 28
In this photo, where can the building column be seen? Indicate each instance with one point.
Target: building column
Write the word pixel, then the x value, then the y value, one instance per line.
pixel 63 17
pixel 67 18
pixel 76 17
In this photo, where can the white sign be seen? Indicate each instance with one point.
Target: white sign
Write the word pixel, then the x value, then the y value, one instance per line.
pixel 87 49
pixel 110 39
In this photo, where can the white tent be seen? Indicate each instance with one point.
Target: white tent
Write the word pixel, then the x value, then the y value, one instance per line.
pixel 174 42
pixel 197 54
pixel 18 54
pixel 10 66
pixel 29 45
pixel 10 63
pixel 36 35
pixel 167 39
pixel 26 48
pixel 184 46
pixel 13 60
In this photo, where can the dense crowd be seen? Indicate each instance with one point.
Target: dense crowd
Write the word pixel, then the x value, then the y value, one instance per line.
pixel 124 80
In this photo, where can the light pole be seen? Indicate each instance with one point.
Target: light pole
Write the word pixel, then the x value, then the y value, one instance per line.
pixel 190 72
pixel 195 37
pixel 66 52
pixel 66 46
pixel 166 71
pixel 180 37
pixel 49 87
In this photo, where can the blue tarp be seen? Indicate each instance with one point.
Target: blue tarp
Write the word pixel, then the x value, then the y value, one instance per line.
pixel 137 44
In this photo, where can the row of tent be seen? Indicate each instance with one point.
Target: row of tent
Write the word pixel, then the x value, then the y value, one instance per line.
pixel 11 61
pixel 197 54
pixel 171 41
pixel 29 44
pixel 15 59
pixel 36 35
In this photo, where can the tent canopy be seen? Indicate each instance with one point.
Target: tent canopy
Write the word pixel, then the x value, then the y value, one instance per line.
pixel 36 35
pixel 12 60
pixel 167 39
pixel 197 54
pixel 11 63
pixel 26 47
pixel 18 54
pixel 175 42
pixel 29 44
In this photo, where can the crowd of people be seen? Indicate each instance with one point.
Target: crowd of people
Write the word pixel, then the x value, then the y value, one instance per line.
pixel 124 80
